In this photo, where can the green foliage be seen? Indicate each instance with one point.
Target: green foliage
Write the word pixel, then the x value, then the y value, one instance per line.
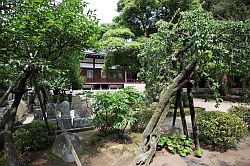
pixel 243 112
pixel 220 47
pixel 34 136
pixel 49 36
pixel 141 16
pixel 114 110
pixel 122 50
pixel 198 153
pixel 238 10
pixel 177 143
pixel 220 129
pixel 142 118
pixel 119 32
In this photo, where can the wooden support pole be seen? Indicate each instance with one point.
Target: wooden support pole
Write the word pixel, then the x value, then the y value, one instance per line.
pixel 192 114
pixel 183 118
pixel 176 105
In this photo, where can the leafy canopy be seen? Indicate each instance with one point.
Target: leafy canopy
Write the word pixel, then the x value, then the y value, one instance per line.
pixel 42 32
pixel 215 44
pixel 141 15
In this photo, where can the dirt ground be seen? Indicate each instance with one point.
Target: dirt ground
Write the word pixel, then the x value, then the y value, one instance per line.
pixel 111 153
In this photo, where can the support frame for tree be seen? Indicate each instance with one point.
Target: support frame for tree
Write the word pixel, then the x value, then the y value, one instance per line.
pixel 151 134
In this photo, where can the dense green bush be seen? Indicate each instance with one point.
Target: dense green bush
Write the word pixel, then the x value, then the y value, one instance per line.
pixel 34 136
pixel 142 119
pixel 115 110
pixel 220 129
pixel 242 112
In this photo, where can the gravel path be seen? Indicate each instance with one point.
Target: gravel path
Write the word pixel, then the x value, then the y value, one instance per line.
pixel 210 105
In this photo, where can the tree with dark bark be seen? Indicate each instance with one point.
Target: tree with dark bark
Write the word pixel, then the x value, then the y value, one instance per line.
pixel 36 36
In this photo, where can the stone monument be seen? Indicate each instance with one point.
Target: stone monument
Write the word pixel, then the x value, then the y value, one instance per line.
pixel 65 114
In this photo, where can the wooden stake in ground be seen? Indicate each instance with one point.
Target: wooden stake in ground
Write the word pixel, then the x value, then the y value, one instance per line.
pixel 182 112
pixel 192 114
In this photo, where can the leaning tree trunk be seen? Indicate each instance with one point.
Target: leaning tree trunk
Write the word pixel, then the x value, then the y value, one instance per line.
pixel 9 117
pixel 151 134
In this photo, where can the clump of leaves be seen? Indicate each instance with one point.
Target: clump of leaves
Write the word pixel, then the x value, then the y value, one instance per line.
pixel 34 136
pixel 177 143
pixel 220 129
pixel 242 112
pixel 198 153
pixel 142 119
pixel 115 110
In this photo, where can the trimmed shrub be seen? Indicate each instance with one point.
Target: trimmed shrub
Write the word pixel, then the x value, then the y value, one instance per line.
pixel 142 119
pixel 220 129
pixel 242 112
pixel 34 136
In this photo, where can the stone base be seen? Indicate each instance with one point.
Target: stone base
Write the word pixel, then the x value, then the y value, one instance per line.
pixel 82 122
pixel 67 123
pixel 54 122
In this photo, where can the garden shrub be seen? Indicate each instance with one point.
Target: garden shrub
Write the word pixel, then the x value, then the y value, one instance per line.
pixel 243 112
pixel 220 129
pixel 34 136
pixel 115 110
pixel 142 119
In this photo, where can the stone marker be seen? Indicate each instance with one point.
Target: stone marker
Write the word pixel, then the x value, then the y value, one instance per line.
pixel 21 110
pixel 82 122
pixel 65 109
pixel 61 148
pixel 38 115
pixel 50 112
pixel 65 115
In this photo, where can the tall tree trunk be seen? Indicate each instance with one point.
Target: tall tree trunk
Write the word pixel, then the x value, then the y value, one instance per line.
pixel 151 134
pixel 182 112
pixel 9 118
pixel 10 152
pixel 192 114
